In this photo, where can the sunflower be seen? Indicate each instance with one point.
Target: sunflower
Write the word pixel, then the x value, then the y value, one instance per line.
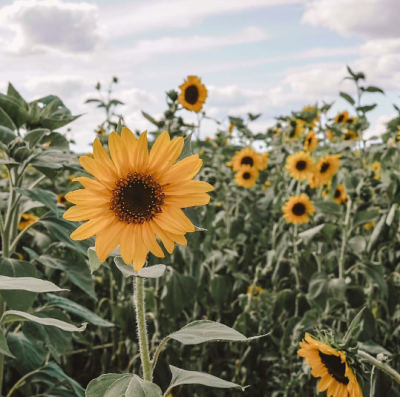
pixel 61 199
pixel 324 170
pixel 254 291
pixel 246 176
pixel 193 94
pixel 249 156
pixel 297 209
pixel 376 166
pixel 369 225
pixel 101 132
pixel 340 195
pixel 329 364
pixel 351 120
pixel 317 117
pixel 311 142
pixel 330 136
pixel 297 129
pixel 27 220
pixel 342 117
pixel 300 165
pixel 350 135
pixel 231 128
pixel 136 196
pixel 398 134
pixel 266 184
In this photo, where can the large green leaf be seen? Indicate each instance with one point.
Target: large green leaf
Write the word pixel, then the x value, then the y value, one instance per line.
pixel 78 310
pixel 28 284
pixel 14 109
pixel 46 197
pixel 6 135
pixel 34 136
pixel 5 121
pixel 183 377
pixel 122 385
pixel 18 300
pixel 4 349
pixel 187 147
pixel 155 271
pixel 94 261
pixel 11 316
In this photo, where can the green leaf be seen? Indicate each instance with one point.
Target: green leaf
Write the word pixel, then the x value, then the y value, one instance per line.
pixel 347 97
pixel 354 329
pixel 202 331
pixel 94 261
pixel 367 108
pixel 16 111
pixel 53 123
pixel 12 92
pixel 78 310
pixel 28 284
pixel 183 377
pixel 122 385
pixel 6 135
pixel 375 273
pixel 18 300
pixel 391 214
pixel 14 315
pixel 6 122
pixel 155 271
pixel 4 346
pixel 381 383
pixel 219 289
pixel 310 233
pixel 46 197
pixel 187 147
pixel 365 217
pixel 358 244
pixel 151 119
pixel 372 88
pixel 35 136
pixel 57 141
pixel 328 208
pixel 376 233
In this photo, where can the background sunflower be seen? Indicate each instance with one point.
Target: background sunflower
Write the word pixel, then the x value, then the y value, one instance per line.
pixel 300 165
pixel 246 177
pixel 297 209
pixel 193 94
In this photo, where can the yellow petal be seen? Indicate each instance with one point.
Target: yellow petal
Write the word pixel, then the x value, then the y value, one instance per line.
pixel 166 222
pixel 101 156
pixel 324 383
pixel 142 153
pixel 119 154
pixel 86 197
pixel 98 171
pixel 127 244
pixel 90 228
pixel 89 183
pixel 172 153
pixel 129 141
pixel 179 216
pixel 108 239
pixel 190 200
pixel 188 188
pixel 81 213
pixel 162 235
pixel 140 250
pixel 149 239
pixel 179 238
pixel 183 170
pixel 159 149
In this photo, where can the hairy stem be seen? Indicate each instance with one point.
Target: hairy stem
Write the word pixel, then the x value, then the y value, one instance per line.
pixel 381 365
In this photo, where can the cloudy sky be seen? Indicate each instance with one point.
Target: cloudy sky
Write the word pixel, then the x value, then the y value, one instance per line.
pixel 259 56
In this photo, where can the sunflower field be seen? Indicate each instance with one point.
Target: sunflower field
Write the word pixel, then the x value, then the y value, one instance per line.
pixel 161 264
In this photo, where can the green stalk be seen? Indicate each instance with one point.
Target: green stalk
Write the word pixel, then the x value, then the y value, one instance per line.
pixel 345 231
pixel 2 310
pixel 142 329
pixel 381 365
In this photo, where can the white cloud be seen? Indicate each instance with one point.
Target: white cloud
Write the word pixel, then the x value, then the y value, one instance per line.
pixel 366 18
pixel 378 127
pixel 37 26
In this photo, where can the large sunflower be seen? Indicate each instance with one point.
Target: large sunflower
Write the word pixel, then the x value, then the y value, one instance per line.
pixel 297 209
pixel 136 196
pixel 311 142
pixel 193 94
pixel 324 170
pixel 342 117
pixel 300 165
pixel 329 364
pixel 340 195
pixel 246 176
pixel 249 156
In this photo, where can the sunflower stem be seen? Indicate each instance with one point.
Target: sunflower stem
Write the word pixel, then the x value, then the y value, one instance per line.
pixel 381 365
pixel 142 328
pixel 344 240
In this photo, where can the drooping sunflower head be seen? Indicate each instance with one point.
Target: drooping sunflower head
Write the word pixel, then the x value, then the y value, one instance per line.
pixel 193 94
pixel 136 196
pixel 250 157
pixel 297 128
pixel 300 165
pixel 61 199
pixel 297 209
pixel 350 135
pixel 311 142
pixel 331 365
pixel 27 220
pixel 342 117
pixel 246 177
pixel 340 195
pixel 324 170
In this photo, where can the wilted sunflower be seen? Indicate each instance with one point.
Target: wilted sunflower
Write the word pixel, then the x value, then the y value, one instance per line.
pixel 300 165
pixel 340 195
pixel 61 199
pixel 297 129
pixel 329 364
pixel 324 170
pixel 297 209
pixel 249 156
pixel 136 196
pixel 342 117
pixel 311 142
pixel 27 220
pixel 193 94
pixel 246 176
pixel 350 135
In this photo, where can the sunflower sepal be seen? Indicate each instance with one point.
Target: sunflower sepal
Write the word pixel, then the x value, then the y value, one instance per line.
pixel 155 271
pixel 187 147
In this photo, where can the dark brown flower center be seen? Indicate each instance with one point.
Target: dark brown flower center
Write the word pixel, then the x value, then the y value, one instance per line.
pixel 309 141
pixel 340 118
pixel 324 167
pixel 338 193
pixel 247 161
pixel 192 94
pixel 301 165
pixel 299 209
pixel 246 175
pixel 137 198
pixel 335 367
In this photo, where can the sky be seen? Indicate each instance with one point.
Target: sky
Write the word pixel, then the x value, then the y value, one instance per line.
pixel 259 56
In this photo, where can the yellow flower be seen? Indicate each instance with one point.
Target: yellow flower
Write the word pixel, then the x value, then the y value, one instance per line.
pixel 311 142
pixel 342 117
pixel 324 170
pixel 351 120
pixel 246 176
pixel 325 193
pixel 330 136
pixel 340 195
pixel 231 128
pixel 278 131
pixel 297 128
pixel 398 134
pixel 357 153
pixel 27 220
pixel 266 184
pixel 300 165
pixel 376 166
pixel 61 199
pixel 369 225
pixel 136 196
pixel 101 131
pixel 254 291
pixel 47 144
pixel 249 156
pixel 297 209
pixel 4 175
pixel 20 256
pixel 193 94
pixel 350 136
pixel 208 139
pixel 329 364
